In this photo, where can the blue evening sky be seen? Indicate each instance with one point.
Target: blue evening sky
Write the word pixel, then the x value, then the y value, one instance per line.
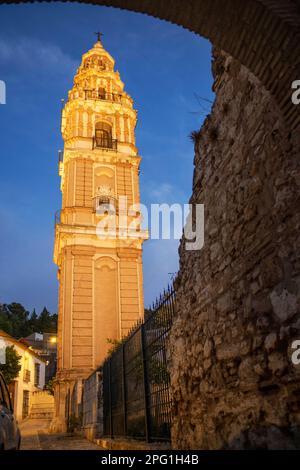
pixel 162 65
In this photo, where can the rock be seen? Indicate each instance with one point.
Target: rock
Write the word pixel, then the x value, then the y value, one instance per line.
pixel 262 304
pixel 257 342
pixel 224 303
pixel 284 303
pixel 259 369
pixel 271 342
pixel 215 251
pixel 228 351
pixel 255 287
pixel 207 348
pixel 207 364
pixel 269 438
pixel 246 371
pixel 277 363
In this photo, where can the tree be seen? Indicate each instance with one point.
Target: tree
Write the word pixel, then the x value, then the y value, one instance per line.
pixel 5 322
pixel 50 387
pixel 17 322
pixel 12 366
pixel 47 323
pixel 17 317
pixel 54 320
pixel 33 321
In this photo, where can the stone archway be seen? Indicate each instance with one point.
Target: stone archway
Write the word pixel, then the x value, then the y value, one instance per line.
pixel 239 298
pixel 263 35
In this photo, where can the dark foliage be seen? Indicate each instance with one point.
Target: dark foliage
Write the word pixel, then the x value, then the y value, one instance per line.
pixel 19 323
pixel 12 366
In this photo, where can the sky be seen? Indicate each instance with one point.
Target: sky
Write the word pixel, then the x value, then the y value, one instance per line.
pixel 166 70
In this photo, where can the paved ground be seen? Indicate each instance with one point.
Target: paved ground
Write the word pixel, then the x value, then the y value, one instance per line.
pixel 35 436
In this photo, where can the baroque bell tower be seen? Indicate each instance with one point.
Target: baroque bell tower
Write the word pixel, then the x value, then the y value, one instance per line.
pixel 100 277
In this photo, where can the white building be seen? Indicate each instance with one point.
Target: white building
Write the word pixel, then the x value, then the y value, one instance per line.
pixel 31 376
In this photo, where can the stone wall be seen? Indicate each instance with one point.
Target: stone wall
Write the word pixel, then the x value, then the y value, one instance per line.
pixel 92 406
pixel 238 304
pixel 41 405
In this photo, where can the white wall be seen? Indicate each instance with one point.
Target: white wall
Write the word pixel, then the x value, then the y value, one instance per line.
pixel 28 361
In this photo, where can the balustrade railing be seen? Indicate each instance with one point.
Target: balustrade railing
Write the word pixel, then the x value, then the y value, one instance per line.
pixel 57 217
pixel 105 96
pixel 105 143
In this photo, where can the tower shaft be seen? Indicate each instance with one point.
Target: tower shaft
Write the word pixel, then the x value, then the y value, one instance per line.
pixel 99 270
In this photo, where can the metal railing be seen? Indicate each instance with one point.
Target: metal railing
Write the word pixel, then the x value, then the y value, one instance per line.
pixel 57 217
pixel 136 380
pixel 26 375
pixel 105 143
pixel 105 96
pixel 105 205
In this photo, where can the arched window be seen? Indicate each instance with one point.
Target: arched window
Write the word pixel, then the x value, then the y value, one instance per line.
pixel 103 135
pixel 101 94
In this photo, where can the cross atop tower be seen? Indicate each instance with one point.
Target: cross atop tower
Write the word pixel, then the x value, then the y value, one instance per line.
pixel 99 36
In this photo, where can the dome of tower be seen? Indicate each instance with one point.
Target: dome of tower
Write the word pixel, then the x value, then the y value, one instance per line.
pixel 97 58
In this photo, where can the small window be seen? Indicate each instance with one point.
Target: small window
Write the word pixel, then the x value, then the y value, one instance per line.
pixel 105 205
pixel 25 406
pixel 37 368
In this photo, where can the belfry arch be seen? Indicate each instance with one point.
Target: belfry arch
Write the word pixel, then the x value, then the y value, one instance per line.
pixel 262 35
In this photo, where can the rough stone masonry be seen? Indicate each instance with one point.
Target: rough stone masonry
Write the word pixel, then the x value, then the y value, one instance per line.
pixel 233 382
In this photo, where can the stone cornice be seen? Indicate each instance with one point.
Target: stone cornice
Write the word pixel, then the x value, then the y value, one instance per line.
pixel 99 156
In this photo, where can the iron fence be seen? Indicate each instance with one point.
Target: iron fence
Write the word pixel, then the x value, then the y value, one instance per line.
pixel 136 380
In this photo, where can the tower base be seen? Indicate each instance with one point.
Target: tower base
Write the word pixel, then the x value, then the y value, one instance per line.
pixel 67 398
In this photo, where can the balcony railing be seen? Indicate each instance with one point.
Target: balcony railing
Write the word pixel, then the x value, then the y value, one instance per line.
pixel 57 217
pixel 26 375
pixel 105 205
pixel 105 143
pixel 105 96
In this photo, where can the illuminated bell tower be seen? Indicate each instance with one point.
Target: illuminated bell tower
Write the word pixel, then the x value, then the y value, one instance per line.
pixel 100 278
